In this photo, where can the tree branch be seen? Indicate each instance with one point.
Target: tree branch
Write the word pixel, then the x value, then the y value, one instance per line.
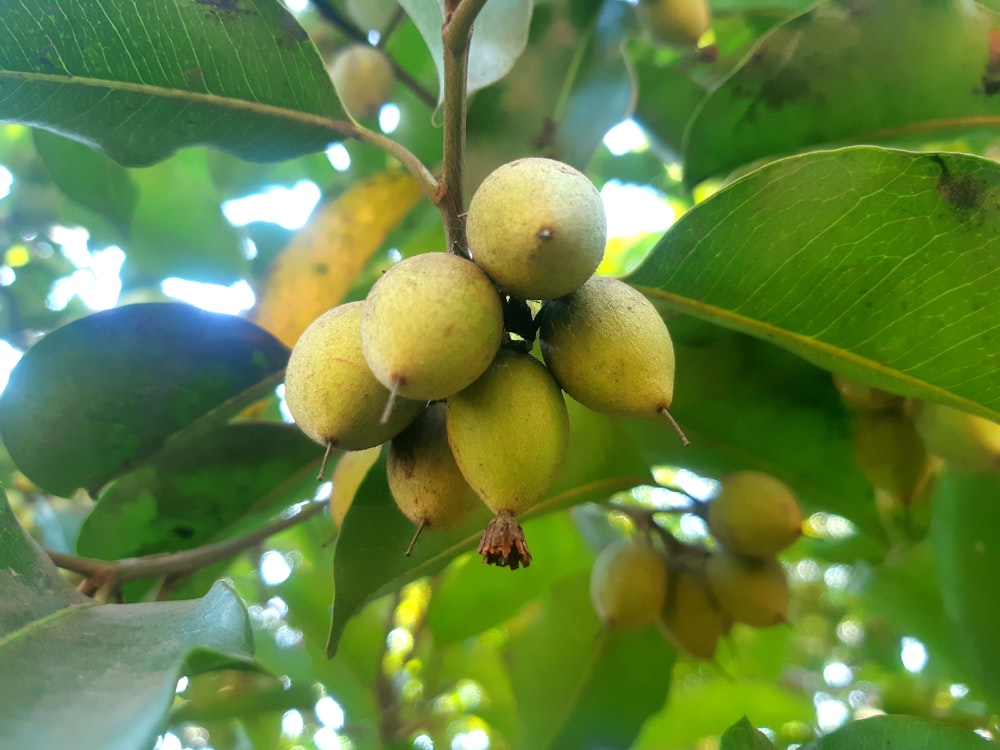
pixel 106 574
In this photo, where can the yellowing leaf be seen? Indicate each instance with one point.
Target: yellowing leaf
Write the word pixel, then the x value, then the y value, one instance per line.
pixel 316 269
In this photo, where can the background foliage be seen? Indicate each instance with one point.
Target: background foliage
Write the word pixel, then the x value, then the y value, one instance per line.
pixel 831 174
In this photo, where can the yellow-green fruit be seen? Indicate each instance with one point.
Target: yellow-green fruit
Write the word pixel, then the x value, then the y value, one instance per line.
pixel 891 453
pixel 609 349
pixel 350 472
pixel 692 618
pixel 431 325
pixel 331 393
pixel 865 398
pixel 676 21
pixel 751 591
pixel 537 227
pixel 509 432
pixel 372 14
pixel 364 80
pixel 754 514
pixel 965 441
pixel 423 477
pixel 628 585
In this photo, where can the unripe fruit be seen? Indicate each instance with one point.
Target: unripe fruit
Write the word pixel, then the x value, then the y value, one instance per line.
pixel 348 474
pixel 364 80
pixel 509 432
pixel 372 14
pixel 423 477
pixel 754 514
pixel 891 453
pixel 692 618
pixel 676 21
pixel 331 393
pixel 537 227
pixel 431 325
pixel 628 585
pixel 965 441
pixel 608 348
pixel 754 592
pixel 863 397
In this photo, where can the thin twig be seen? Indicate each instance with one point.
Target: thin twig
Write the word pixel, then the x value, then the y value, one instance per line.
pixel 102 573
pixel 455 35
pixel 428 183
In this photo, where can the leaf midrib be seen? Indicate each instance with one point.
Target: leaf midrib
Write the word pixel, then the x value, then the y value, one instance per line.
pixel 42 622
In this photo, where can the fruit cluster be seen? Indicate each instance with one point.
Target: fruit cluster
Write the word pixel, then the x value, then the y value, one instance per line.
pixel 437 358
pixel 694 595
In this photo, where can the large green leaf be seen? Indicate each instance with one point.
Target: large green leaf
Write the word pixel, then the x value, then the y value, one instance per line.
pixel 608 682
pixel 97 396
pixel 892 732
pixel 369 555
pixel 98 677
pixel 201 489
pixel 841 72
pixel 967 556
pixel 139 83
pixel 876 263
pixel 501 31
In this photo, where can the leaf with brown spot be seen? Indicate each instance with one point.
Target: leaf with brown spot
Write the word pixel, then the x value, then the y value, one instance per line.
pixel 315 271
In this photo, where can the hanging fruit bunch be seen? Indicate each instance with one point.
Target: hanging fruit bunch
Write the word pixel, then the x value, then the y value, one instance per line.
pixel 437 359
pixel 693 594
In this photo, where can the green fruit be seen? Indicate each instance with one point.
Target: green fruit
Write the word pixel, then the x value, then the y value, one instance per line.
pixel 364 80
pixel 509 432
pixel 350 472
pixel 965 441
pixel 537 227
pixel 331 393
pixel 693 620
pixel 754 514
pixel 891 453
pixel 751 591
pixel 679 22
pixel 423 476
pixel 608 348
pixel 431 325
pixel 865 398
pixel 628 585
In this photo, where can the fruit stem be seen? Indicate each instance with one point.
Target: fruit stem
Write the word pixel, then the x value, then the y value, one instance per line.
pixel 416 535
pixel 666 412
pixel 390 403
pixel 456 34
pixel 326 458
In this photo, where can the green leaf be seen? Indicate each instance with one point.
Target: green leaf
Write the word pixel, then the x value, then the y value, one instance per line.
pixel 89 178
pixel 609 682
pixel 92 676
pixel 967 556
pixel 243 77
pixel 501 32
pixel 202 489
pixel 743 736
pixel 875 263
pixel 892 732
pixel 369 560
pixel 835 73
pixel 95 397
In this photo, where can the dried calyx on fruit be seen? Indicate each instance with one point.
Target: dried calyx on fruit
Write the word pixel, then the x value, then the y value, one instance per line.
pixel 363 78
pixel 608 348
pixel 432 324
pixel 749 590
pixel 424 479
pixel 332 395
pixel 509 432
pixel 537 227
pixel 754 514
pixel 628 584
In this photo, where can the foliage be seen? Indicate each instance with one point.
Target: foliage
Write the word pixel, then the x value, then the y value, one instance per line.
pixel 831 167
